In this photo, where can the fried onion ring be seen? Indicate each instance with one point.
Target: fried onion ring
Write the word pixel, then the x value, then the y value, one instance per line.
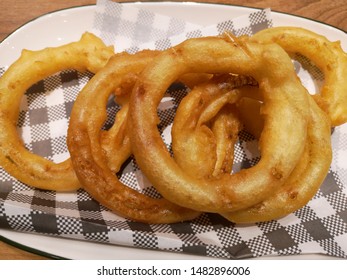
pixel 206 126
pixel 327 55
pixel 88 157
pixel 203 135
pixel 285 106
pixel 305 179
pixel 301 185
pixel 89 53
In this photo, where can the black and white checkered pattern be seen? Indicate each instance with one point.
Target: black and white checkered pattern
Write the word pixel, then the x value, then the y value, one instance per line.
pixel 244 25
pixel 319 227
pixel 127 26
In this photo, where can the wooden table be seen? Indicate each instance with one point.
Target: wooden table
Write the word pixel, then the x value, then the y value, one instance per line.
pixel 13 14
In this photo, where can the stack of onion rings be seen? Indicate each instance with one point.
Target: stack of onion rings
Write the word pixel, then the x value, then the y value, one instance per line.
pixel 198 177
pixel 285 105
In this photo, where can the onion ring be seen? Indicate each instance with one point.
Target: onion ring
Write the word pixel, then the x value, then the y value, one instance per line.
pixel 305 179
pixel 203 144
pixel 285 105
pixel 206 126
pixel 327 55
pixel 89 53
pixel 300 186
pixel 88 157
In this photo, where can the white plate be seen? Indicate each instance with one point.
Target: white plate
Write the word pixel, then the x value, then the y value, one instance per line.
pixel 67 25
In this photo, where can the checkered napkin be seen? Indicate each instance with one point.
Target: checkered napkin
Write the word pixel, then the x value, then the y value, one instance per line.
pixel 126 27
pixel 319 227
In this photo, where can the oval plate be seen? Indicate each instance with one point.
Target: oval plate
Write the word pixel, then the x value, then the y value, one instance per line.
pixel 67 25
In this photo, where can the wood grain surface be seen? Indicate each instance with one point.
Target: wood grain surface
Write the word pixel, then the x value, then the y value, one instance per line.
pixel 14 14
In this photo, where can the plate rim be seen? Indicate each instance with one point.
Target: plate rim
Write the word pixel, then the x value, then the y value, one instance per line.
pixel 29 249
pixel 42 16
pixel 49 255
